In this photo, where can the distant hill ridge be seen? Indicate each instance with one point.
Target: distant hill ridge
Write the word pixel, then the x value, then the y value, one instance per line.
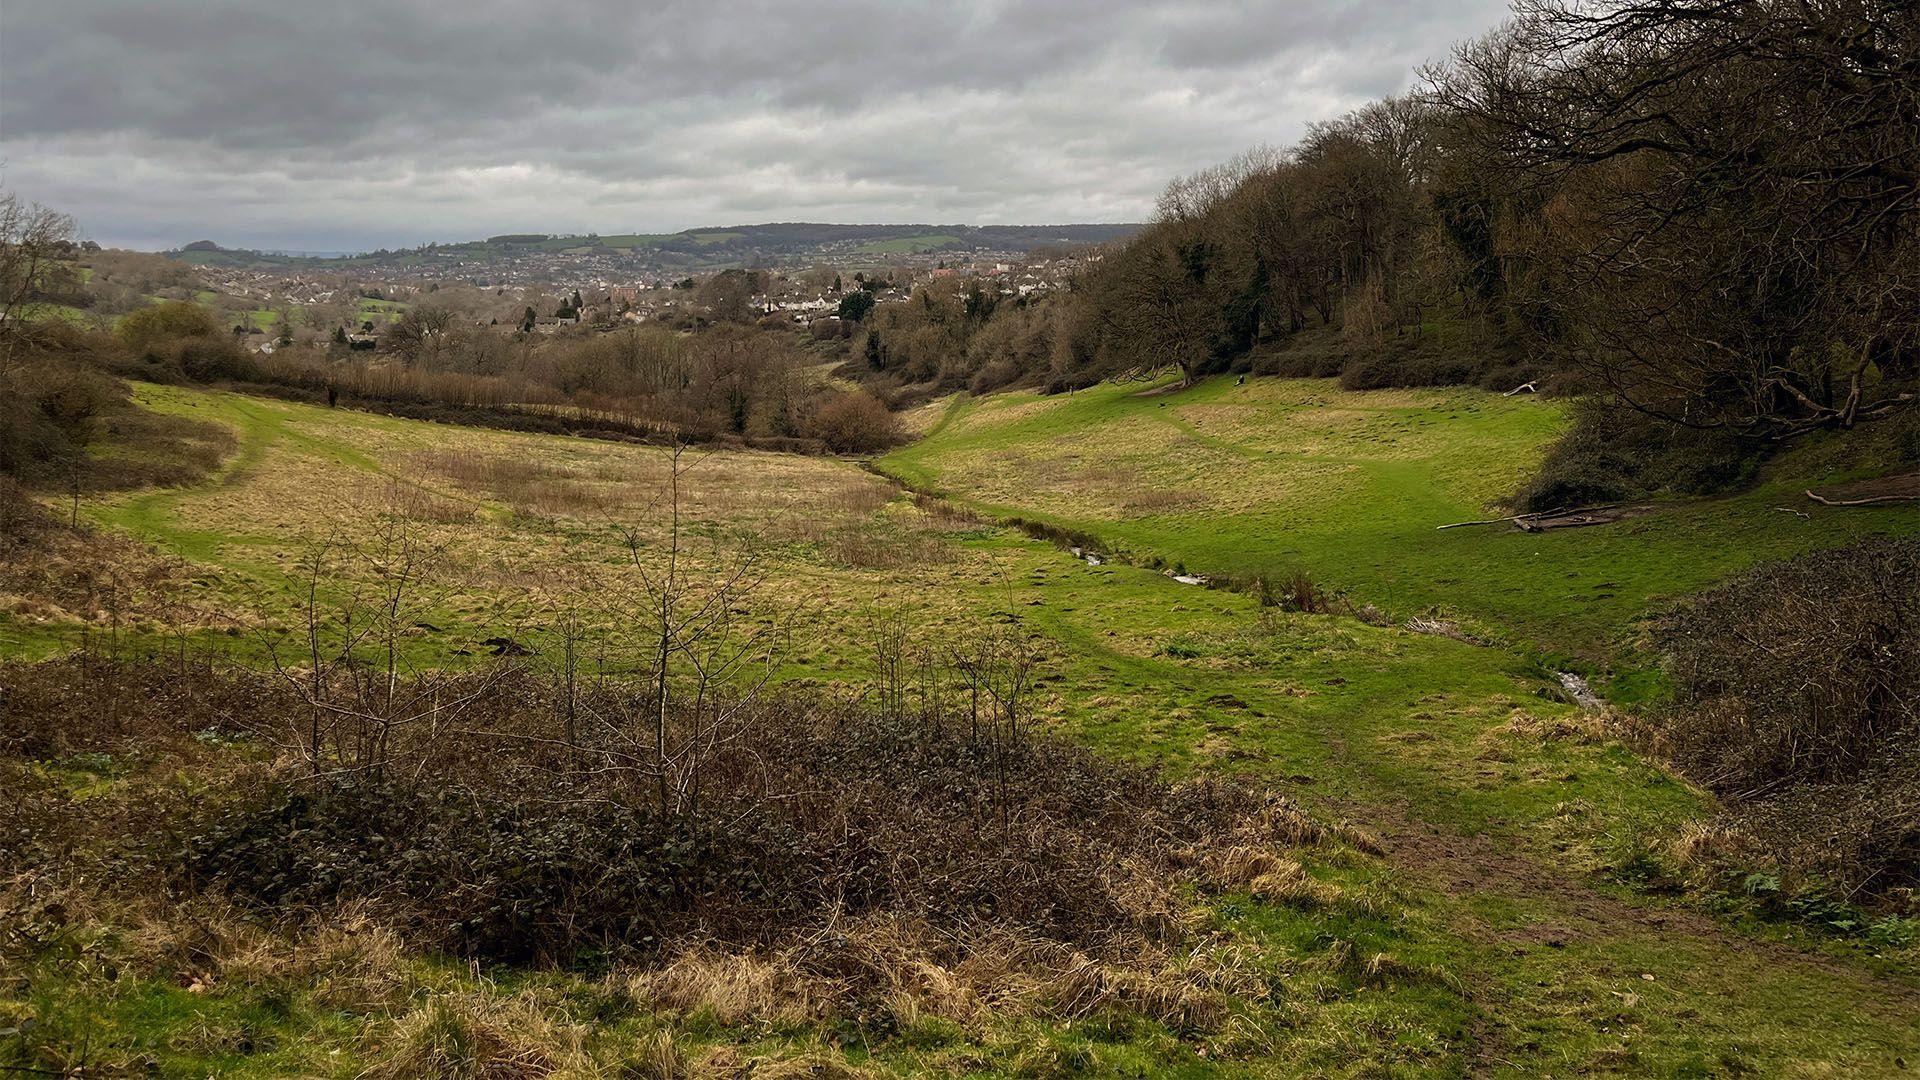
pixel 701 248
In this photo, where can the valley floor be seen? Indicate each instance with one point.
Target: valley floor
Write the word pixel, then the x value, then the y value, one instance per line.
pixel 1505 931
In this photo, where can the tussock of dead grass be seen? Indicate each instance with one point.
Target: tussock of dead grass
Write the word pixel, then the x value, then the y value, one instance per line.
pixel 1357 838
pixel 416 502
pixel 1523 727
pixel 476 1035
pixel 1291 884
pixel 733 987
pixel 1705 844
pixel 1281 821
pixel 657 1056
pixel 1238 867
pixel 1269 876
pixel 1438 627
pixel 351 963
pixel 1580 727
pixel 869 549
pixel 910 971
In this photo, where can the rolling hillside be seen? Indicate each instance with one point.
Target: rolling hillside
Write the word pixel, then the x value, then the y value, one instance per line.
pixel 1284 475
pixel 703 248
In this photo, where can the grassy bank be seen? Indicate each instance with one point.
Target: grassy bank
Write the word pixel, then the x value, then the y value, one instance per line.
pixel 1278 475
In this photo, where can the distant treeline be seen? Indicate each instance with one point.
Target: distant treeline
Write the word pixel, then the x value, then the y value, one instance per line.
pixel 726 382
pixel 60 399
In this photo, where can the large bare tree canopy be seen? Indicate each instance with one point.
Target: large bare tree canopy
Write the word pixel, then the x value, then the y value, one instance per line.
pixel 1705 210
pixel 35 245
pixel 1723 198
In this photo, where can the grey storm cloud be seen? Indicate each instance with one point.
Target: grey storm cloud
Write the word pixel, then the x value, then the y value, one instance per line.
pixel 289 123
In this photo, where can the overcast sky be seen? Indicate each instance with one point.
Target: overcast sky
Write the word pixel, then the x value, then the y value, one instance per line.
pixel 351 125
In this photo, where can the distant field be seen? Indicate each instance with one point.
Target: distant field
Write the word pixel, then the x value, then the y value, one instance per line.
pixel 65 313
pixel 380 310
pixel 906 245
pixel 1280 475
pixel 619 241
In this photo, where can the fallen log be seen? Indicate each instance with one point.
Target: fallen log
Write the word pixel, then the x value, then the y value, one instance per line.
pixel 1872 500
pixel 1562 521
pixel 1521 520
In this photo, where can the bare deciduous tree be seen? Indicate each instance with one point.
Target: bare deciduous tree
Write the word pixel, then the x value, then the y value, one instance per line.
pixel 360 676
pixel 35 243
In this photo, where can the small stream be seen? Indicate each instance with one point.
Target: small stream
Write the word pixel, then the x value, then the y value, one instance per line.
pixel 1582 694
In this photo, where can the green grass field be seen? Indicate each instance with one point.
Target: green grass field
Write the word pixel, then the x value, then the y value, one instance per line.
pixel 370 310
pixel 1279 475
pixel 1501 843
pixel 906 245
pixel 66 313
pixel 710 237
pixel 617 241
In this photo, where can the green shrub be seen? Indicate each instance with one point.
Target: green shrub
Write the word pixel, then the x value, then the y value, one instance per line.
pixel 1611 453
pixel 151 329
pixel 51 409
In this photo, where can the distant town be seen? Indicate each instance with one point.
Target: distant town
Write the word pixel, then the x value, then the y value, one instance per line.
pixel 797 274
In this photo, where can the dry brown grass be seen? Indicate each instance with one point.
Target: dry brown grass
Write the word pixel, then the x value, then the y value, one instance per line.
pixel 416 502
pixel 912 972
pixel 1705 844
pixel 1579 727
pixel 552 536
pixel 78 576
pixel 1357 838
pixel 529 485
pixel 1160 500
pixel 1526 729
pixel 947 516
pixel 1291 884
pixel 1282 821
pixel 735 988
pixel 96 583
pixel 720 487
pixel 658 1056
pixel 1267 875
pixel 1421 624
pixel 866 548
pixel 478 1036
